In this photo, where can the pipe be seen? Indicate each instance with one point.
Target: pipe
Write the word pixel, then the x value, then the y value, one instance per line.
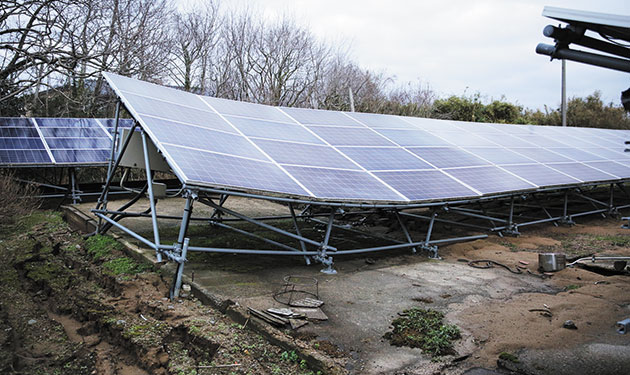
pixel 565 53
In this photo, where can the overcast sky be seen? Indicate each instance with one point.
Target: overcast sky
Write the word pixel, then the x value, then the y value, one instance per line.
pixel 456 46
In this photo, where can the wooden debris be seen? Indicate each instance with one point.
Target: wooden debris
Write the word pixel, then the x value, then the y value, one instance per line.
pixel 297 323
pixel 269 318
pixel 312 313
pixel 307 302
pixel 283 312
pixel 521 266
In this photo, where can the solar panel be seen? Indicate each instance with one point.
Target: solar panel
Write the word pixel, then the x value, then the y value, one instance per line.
pixel 426 185
pixel 337 156
pixel 489 179
pixel 56 141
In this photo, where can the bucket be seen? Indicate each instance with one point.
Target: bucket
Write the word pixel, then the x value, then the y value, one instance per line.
pixel 550 262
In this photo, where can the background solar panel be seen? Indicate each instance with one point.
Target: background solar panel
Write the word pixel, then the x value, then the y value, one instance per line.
pixel 362 157
pixel 56 141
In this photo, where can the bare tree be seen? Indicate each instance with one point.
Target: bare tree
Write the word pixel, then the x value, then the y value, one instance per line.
pixel 196 35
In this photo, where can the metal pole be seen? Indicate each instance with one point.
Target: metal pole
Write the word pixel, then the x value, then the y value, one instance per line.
pixel 564 92
pixel 73 186
pixel 297 231
pixel 147 164
pixel 183 242
pixel 405 231
pixel 351 96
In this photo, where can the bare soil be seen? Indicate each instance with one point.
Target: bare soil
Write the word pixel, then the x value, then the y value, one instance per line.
pixel 62 312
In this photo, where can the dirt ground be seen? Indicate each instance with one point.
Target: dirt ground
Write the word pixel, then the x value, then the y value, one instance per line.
pixel 68 306
pixel 492 307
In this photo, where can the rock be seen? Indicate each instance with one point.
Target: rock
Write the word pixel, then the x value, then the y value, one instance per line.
pixel 32 321
pixel 569 324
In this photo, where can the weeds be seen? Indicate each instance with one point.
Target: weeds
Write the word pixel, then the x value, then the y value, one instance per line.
pixel 424 329
pixel 99 247
pixel 124 266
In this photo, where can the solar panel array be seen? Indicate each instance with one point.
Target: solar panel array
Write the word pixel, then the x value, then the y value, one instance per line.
pixel 56 141
pixel 360 157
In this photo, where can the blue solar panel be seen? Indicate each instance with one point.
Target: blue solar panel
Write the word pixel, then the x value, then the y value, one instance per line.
pixel 273 130
pixel 489 180
pixel 497 155
pixel 426 185
pixel 66 156
pixel 317 117
pixel 541 155
pixel 231 171
pixel 342 184
pixel 384 158
pixel 24 157
pixel 447 157
pixel 619 170
pixel 338 136
pixel 203 138
pixel 582 172
pixel 258 111
pixel 577 154
pixel 463 139
pixel 333 155
pixel 380 121
pixel 15 143
pixel 199 115
pixel 12 132
pixel 413 137
pixel 304 154
pixel 540 174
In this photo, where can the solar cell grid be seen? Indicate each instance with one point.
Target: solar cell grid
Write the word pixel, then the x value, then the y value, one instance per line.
pixel 14 132
pixel 401 151
pixel 489 179
pixel 203 138
pixel 200 116
pixel 15 122
pixel 426 185
pixel 338 136
pixel 257 111
pixel 384 158
pixel 540 155
pixel 303 154
pixel 232 171
pixel 576 154
pixel 318 117
pixel 432 124
pixel 541 141
pixel 341 184
pixel 380 121
pixel 582 172
pixel 273 130
pixel 447 157
pixel 413 137
pixel 24 157
pixel 498 155
pixel 463 139
pixel 540 174
pixel 611 167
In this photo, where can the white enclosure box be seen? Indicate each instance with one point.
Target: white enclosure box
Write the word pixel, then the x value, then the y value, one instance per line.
pixel 134 155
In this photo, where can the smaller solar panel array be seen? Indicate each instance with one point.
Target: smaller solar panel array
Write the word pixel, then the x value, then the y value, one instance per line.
pixel 56 141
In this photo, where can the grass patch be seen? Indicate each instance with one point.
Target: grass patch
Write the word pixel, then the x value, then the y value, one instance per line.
pixel 424 329
pixel 508 357
pixel 124 266
pixel 572 287
pixel 100 247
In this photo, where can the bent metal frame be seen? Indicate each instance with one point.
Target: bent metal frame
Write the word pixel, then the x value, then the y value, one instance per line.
pixel 554 205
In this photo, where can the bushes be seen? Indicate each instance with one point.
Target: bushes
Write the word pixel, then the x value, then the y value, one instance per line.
pixel 16 199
